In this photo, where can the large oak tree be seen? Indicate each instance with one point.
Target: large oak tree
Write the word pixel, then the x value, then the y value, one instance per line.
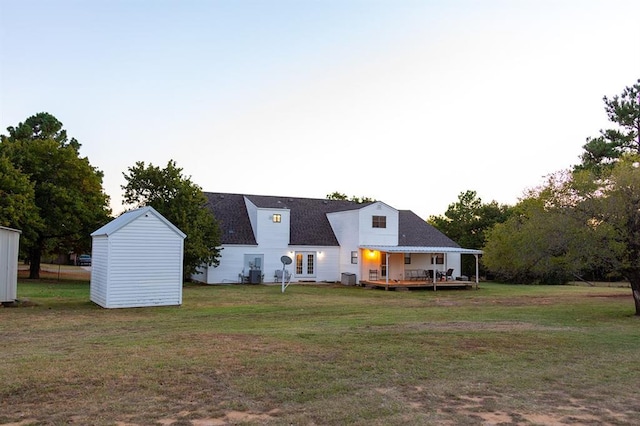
pixel 57 195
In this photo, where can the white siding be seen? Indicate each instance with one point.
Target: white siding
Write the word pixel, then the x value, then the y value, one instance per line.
pixel 343 225
pixel 270 233
pixel 232 263
pixel 139 265
pixel 378 236
pixel 99 270
pixel 328 261
pixel 9 242
pixel 454 260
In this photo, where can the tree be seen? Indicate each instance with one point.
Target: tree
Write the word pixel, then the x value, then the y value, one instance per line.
pixel 612 205
pixel 545 240
pixel 577 222
pixel 180 201
pixel 467 221
pixel 17 201
pixel 602 151
pixel 67 190
pixel 608 180
pixel 340 196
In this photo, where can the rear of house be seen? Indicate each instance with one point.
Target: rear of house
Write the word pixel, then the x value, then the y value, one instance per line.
pixel 325 239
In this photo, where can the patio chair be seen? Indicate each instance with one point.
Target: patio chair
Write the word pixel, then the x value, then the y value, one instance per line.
pixel 278 276
pixel 449 274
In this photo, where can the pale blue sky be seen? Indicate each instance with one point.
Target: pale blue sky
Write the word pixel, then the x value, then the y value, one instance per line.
pixel 408 102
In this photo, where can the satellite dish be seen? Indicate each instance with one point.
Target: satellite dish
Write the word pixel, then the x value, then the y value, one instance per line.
pixel 286 260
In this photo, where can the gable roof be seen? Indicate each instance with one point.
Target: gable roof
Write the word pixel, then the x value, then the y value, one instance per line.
pixel 309 222
pixel 127 217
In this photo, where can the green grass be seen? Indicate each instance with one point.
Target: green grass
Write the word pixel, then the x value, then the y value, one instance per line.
pixel 329 355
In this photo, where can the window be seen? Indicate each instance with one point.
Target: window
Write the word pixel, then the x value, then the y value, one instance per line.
pixel 277 218
pixel 379 222
pixel 437 259
pixel 354 257
pixel 407 258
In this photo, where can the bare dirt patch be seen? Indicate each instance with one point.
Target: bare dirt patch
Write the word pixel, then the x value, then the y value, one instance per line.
pixel 488 412
pixel 228 418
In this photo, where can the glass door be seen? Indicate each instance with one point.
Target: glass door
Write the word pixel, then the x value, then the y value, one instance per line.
pixel 305 264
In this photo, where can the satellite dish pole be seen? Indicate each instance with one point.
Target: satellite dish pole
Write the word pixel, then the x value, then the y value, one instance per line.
pixel 286 260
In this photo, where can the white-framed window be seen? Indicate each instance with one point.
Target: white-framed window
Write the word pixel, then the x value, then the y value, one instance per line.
pixel 379 221
pixel 354 257
pixel 407 258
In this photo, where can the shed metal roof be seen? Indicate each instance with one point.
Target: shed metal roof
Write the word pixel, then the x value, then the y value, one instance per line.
pixel 420 249
pixel 125 218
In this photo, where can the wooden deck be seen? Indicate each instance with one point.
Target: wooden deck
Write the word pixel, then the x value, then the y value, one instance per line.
pixel 409 285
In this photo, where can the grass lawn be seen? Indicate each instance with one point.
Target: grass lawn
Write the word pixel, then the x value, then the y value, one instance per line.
pixel 323 355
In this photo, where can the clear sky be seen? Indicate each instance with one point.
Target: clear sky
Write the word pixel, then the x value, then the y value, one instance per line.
pixel 405 101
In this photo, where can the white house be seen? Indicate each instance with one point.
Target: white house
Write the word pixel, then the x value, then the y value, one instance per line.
pixel 325 239
pixel 9 243
pixel 137 261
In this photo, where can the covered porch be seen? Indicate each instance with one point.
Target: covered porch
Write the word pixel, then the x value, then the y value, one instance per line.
pixel 407 267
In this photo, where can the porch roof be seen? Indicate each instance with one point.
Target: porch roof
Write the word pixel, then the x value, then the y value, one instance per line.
pixel 421 249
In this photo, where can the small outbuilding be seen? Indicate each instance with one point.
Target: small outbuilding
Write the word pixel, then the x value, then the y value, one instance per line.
pixel 9 243
pixel 137 261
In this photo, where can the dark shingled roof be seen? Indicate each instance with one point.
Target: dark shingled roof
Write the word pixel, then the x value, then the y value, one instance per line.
pixel 231 213
pixel 309 223
pixel 415 231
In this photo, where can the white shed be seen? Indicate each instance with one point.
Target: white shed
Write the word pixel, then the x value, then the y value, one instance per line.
pixel 137 261
pixel 9 242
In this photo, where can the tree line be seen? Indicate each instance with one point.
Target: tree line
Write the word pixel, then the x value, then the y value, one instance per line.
pixel 581 223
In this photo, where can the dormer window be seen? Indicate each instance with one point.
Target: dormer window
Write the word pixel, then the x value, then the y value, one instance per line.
pixel 277 218
pixel 379 222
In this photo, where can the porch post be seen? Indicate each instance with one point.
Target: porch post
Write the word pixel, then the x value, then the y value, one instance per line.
pixel 477 270
pixel 387 268
pixel 433 262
